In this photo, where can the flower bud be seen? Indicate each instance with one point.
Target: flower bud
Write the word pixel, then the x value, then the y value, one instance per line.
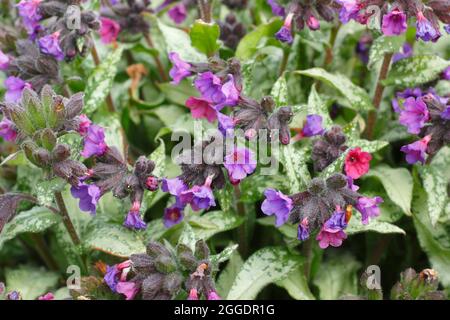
pixel 152 183
pixel 46 138
pixel 201 250
pixel 61 152
pixel 155 249
pixel 33 107
pixel 42 157
pixel 165 264
pixel 172 283
pixel 151 286
pixel 186 257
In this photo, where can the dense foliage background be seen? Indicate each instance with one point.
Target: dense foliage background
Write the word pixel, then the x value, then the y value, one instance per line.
pixel 340 70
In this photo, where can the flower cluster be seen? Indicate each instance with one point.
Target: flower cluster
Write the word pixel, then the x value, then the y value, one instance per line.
pixel 418 286
pixel 160 274
pixel 426 114
pixel 325 206
pixel 393 17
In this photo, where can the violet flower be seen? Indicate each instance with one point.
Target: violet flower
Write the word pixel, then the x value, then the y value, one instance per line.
pixel 199 197
pixel 303 230
pixel 446 114
pixel 349 10
pixel 175 187
pixel 368 207
pixel 406 52
pixel 178 13
pixel 225 123
pixel 425 29
pixel 394 23
pixel 230 94
pixel 278 204
pixel 415 115
pixel 94 142
pixel 8 129
pixel 172 216
pixel 210 87
pixel 313 126
pixel 180 69
pixel 89 194
pixel 50 45
pixel 133 219
pixel 239 163
pixel 285 33
pixel 29 11
pixel 446 74
pixel 14 87
pixel 416 151
pixel 277 9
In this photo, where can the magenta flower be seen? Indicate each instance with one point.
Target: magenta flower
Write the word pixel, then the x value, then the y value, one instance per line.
pixel 313 126
pixel 416 152
pixel 425 29
pixel 109 30
pixel 83 124
pixel 4 61
pixel 303 230
pixel 415 115
pixel 406 52
pixel 368 208
pixel 193 294
pixel 285 33
pixel 213 296
pixel 333 239
pixel 313 23
pixel 201 109
pixel 127 288
pixel 50 45
pixel 210 87
pixel 394 23
pixel 180 69
pixel 178 13
pixel 47 296
pixel 14 87
pixel 8 130
pixel 351 184
pixel 133 219
pixel 199 197
pixel 151 183
pixel 277 9
pixel 278 204
pixel 239 163
pixel 89 194
pixel 349 10
pixel 94 142
pixel 357 163
pixel 172 216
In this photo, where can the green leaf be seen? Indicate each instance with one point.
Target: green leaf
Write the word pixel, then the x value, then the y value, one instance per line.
pixel 204 37
pixel 100 82
pixel 337 277
pixel 297 285
pixel 44 190
pixel 178 94
pixel 355 226
pixel 317 106
pixel 383 45
pixel 417 70
pixel 214 222
pixel 435 185
pixel 223 256
pixel 35 220
pixel 294 162
pixel 358 97
pixel 435 241
pixel 398 184
pixel 228 275
pixel 178 41
pixel 113 239
pixel 265 266
pixel 287 229
pixel 30 281
pixel 225 197
pixel 280 92
pixel 159 158
pixel 249 44
pixel 188 236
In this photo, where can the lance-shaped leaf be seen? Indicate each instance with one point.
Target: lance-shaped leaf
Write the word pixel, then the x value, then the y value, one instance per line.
pixel 294 162
pixel 279 92
pixel 204 37
pixel 383 45
pixel 355 226
pixel 317 106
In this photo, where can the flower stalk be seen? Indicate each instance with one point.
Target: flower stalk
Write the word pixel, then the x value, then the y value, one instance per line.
pixel 158 62
pixel 205 8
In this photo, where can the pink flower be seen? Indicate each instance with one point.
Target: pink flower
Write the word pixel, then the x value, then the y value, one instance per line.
pixel 201 108
pixel 193 294
pixel 83 124
pixel 327 238
pixel 178 13
pixel 394 23
pixel 4 61
pixel 8 130
pixel 357 163
pixel 109 30
pixel 127 288
pixel 47 296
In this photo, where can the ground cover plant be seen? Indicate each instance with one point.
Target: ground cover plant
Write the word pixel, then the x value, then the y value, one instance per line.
pixel 205 150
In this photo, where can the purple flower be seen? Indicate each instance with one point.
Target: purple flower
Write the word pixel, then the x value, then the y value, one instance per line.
pixel 127 288
pixel 226 123
pixel 313 126
pixel 178 13
pixel 277 9
pixel 94 142
pixel 446 74
pixel 175 187
pixel 50 45
pixel 111 277
pixel 303 230
pixel 14 87
pixel 425 29
pixel 285 33
pixel 180 69
pixel 8 130
pixel 14 295
pixel 444 115
pixel 133 219
pixel 416 151
pixel 172 216
pixel 278 204
pixel 29 9
pixel 349 10
pixel 368 208
pixel 83 124
pixel 230 94
pixel 414 115
pixel 4 61
pixel 351 185
pixel 407 51
pixel 89 194
pixel 447 28
pixel 336 222
pixel 199 197
pixel 239 163
pixel 363 47
pixel 210 87
pixel 394 23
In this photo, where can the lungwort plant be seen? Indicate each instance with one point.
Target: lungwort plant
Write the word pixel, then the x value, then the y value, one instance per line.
pixel 209 150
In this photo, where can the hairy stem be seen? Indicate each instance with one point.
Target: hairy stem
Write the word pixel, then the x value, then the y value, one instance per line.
pixel 158 62
pixel 205 8
pixel 307 253
pixel 372 119
pixel 66 218
pixel 284 62
pixel 329 50
pixel 242 230
pixel 109 101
